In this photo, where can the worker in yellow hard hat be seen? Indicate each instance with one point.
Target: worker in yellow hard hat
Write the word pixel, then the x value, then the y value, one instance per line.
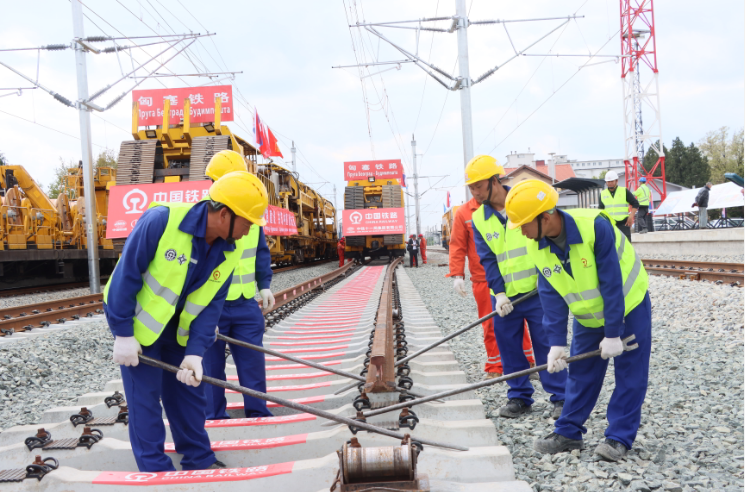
pixel 510 274
pixel 587 266
pixel 164 300
pixel 241 317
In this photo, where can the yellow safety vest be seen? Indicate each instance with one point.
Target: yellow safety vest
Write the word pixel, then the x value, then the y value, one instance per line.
pixel 509 246
pixel 616 205
pixel 244 275
pixel 164 280
pixel 581 290
pixel 643 194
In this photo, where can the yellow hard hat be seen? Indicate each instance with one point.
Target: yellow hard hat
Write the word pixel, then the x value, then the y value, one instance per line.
pixel 243 193
pixel 224 162
pixel 527 199
pixel 482 167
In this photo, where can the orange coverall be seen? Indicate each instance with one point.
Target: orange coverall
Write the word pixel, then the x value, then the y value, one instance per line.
pixel 462 245
pixel 423 247
pixel 340 251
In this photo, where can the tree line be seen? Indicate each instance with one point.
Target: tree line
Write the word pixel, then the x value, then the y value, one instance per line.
pixel 719 152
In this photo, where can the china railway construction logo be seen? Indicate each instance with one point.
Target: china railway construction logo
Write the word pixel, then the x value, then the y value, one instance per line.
pixel 356 218
pixel 135 201
pixel 140 477
pixel 216 275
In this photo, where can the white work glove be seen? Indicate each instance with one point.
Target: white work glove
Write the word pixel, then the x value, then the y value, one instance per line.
pixel 503 305
pixel 191 370
pixel 267 299
pixel 460 286
pixel 126 350
pixel 611 347
pixel 557 359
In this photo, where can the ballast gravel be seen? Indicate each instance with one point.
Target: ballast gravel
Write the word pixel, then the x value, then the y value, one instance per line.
pixel 691 434
pixel 54 369
pixel 6 302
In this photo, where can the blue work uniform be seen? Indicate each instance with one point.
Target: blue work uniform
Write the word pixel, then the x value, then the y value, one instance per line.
pixel 243 320
pixel 509 330
pixel 145 386
pixel 586 377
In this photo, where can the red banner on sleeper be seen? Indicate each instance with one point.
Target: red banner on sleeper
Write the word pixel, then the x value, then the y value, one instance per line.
pixel 201 108
pixel 388 169
pixel 192 476
pixel 127 203
pixel 374 221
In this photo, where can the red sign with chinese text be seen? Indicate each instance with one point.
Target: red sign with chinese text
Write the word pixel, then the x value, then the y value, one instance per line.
pixel 202 104
pixel 390 169
pixel 127 203
pixel 373 221
pixel 192 476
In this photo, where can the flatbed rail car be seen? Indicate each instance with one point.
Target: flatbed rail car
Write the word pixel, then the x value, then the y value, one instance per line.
pixel 447 226
pixel 173 153
pixel 43 240
pixel 365 194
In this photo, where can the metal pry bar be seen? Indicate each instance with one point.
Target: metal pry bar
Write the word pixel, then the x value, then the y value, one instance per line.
pixel 297 406
pixel 489 382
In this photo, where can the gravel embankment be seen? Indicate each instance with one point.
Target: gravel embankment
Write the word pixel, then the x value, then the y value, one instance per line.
pixel 691 437
pixel 14 301
pixel 55 369
pixel 721 258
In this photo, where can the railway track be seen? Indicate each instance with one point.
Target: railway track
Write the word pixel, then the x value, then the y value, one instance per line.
pixel 358 319
pixel 711 271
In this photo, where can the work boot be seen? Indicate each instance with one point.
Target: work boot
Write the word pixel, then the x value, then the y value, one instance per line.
pixel 493 375
pixel 555 443
pixel 514 408
pixel 558 407
pixel 217 465
pixel 611 450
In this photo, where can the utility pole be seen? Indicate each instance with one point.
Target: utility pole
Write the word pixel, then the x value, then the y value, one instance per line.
pixel 87 153
pixel 416 186
pixel 294 164
pixel 465 85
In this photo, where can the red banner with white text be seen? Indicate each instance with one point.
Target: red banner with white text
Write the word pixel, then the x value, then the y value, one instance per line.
pixel 373 221
pixel 202 104
pixel 386 169
pixel 127 203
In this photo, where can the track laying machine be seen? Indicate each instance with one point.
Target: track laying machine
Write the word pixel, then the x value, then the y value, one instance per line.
pixel 173 153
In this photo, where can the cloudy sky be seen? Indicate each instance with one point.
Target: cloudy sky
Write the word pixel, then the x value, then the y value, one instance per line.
pixel 285 51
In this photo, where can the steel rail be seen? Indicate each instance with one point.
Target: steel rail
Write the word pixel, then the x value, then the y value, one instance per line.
pixel 34 320
pixel 25 310
pixel 711 271
pixel 297 406
pixel 489 382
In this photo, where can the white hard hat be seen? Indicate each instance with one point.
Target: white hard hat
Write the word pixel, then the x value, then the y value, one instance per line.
pixel 611 176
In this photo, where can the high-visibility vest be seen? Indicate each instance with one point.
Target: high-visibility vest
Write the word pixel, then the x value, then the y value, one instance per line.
pixel 164 280
pixel 581 290
pixel 244 275
pixel 509 246
pixel 643 194
pixel 616 205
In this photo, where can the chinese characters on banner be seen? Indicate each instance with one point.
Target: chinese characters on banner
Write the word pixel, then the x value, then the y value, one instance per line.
pixel 390 169
pixel 192 476
pixel 279 222
pixel 202 104
pixel 127 203
pixel 374 221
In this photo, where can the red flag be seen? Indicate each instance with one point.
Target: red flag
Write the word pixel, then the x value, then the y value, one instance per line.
pixel 262 138
pixel 273 146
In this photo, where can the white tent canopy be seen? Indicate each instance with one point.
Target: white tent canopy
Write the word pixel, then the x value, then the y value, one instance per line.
pixel 723 195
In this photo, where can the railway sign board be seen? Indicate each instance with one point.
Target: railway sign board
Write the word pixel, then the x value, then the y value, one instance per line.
pixel 373 221
pixel 127 203
pixel 201 107
pixel 379 169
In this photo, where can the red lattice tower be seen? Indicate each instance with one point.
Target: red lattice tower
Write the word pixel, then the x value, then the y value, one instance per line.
pixel 639 74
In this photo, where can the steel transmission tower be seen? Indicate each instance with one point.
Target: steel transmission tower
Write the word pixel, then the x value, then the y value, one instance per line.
pixel 639 53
